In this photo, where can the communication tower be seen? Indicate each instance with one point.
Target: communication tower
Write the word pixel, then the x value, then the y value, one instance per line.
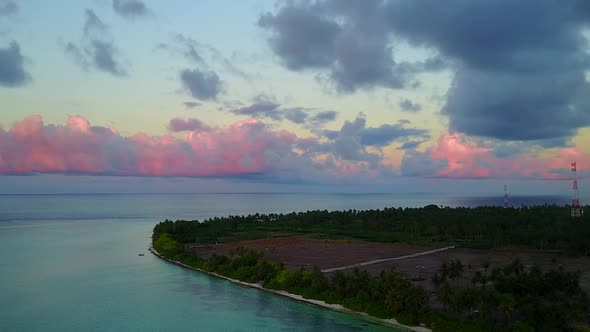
pixel 505 197
pixel 576 209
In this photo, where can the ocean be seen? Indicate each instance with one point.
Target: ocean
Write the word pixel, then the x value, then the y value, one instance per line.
pixel 71 263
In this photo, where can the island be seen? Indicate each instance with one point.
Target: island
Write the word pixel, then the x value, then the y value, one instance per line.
pixel 427 269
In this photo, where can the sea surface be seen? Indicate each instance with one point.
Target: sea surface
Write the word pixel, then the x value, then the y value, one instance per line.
pixel 70 263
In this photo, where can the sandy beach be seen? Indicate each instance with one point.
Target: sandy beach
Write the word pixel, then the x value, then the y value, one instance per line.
pixel 335 307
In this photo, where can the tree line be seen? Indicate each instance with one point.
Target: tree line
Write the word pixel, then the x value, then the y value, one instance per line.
pixel 546 227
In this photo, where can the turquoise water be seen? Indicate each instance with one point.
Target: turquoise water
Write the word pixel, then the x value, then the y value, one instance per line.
pixel 87 276
pixel 70 263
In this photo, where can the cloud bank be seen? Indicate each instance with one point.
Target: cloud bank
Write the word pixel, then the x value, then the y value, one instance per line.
pixel 252 150
pixel 31 146
pixel 520 66
pixel 245 149
pixel 459 157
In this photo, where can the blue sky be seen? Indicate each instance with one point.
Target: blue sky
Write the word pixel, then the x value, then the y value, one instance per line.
pixel 263 95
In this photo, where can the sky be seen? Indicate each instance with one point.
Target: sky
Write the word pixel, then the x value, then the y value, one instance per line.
pixel 325 95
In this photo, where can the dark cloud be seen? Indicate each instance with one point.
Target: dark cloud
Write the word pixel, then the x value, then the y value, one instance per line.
pixel 12 69
pixel 408 106
pixel 306 116
pixel 77 55
pixel 354 137
pixel 320 119
pixel 520 65
pixel 190 49
pixel 510 149
pixel 347 146
pixel 227 64
pixel 341 37
pixel 264 108
pixel 203 85
pixel 93 25
pixel 490 34
pixel 296 115
pixel 326 116
pixel 104 58
pixel 8 7
pixel 432 64
pixel 582 8
pixel 303 38
pixel 518 107
pixel 506 149
pixel 97 49
pixel 523 64
pixel 192 124
pixel 411 145
pixel 201 54
pixel 415 163
pixel 191 104
pixel 130 8
pixel 386 134
pixel 330 134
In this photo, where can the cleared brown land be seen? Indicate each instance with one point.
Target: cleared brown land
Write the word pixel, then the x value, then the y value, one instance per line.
pixel 424 267
pixel 301 251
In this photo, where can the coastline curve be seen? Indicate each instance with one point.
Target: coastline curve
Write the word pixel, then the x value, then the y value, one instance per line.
pixel 334 307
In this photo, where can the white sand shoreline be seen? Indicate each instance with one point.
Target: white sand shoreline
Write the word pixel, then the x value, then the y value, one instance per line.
pixel 335 307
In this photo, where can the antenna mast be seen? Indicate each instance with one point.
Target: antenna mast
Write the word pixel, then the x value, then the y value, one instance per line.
pixel 576 209
pixel 505 197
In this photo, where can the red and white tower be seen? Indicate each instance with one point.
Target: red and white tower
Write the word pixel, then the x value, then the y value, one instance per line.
pixel 505 197
pixel 576 209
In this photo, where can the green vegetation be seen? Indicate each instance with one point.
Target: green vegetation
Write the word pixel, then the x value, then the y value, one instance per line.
pixel 511 298
pixel 385 296
pixel 547 227
pixel 527 298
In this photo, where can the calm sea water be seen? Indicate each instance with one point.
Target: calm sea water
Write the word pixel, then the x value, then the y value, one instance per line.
pixel 70 263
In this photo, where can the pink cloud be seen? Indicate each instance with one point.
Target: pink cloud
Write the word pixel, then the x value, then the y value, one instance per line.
pixel 31 146
pixel 251 148
pixel 245 148
pixel 464 158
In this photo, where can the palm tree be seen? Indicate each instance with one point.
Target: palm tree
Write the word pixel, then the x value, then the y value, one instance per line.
pixel 443 294
pixel 455 270
pixel 507 305
pixel 394 300
pixel 479 279
pixel 415 298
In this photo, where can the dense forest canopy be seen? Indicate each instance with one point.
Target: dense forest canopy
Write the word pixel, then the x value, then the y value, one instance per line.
pixel 546 227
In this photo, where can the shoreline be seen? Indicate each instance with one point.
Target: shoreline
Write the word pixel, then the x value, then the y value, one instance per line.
pixel 334 307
